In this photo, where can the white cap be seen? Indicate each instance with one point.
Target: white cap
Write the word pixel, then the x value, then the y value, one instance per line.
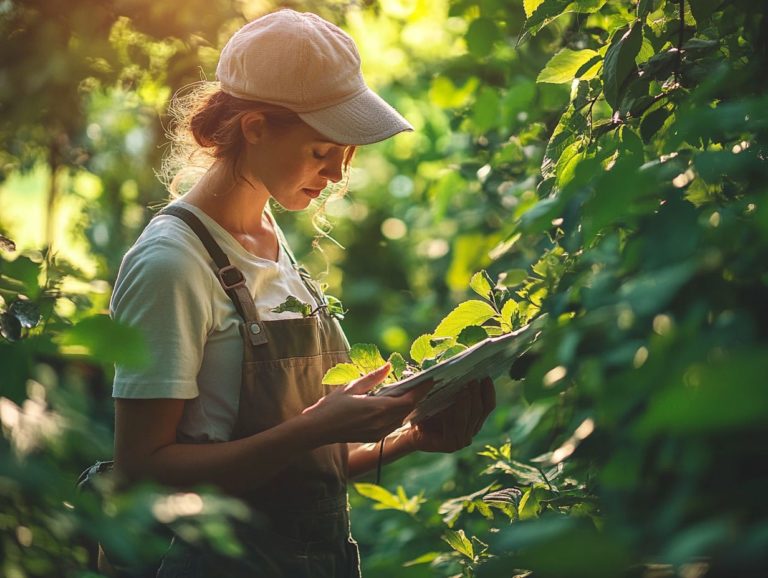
pixel 308 65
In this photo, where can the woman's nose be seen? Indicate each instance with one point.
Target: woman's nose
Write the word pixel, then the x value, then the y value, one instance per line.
pixel 333 169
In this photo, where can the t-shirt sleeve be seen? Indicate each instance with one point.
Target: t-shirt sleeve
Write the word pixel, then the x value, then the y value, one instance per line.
pixel 164 290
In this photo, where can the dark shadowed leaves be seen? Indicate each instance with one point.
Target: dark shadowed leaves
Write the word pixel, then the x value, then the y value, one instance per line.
pixel 620 61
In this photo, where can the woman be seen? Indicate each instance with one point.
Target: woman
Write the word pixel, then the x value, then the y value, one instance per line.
pixel 233 395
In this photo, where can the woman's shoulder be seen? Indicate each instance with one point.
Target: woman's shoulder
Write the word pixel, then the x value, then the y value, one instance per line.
pixel 167 246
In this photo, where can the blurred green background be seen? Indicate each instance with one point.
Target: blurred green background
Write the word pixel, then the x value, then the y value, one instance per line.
pixel 604 161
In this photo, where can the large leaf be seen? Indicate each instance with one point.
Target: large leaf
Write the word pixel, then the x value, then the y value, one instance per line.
pixel 473 312
pixel 620 61
pixel 366 356
pixel 341 374
pixel 568 64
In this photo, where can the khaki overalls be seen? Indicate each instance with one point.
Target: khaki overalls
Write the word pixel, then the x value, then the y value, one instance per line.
pixel 300 521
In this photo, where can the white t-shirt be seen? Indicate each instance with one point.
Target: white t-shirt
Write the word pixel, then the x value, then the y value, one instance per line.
pixel 167 288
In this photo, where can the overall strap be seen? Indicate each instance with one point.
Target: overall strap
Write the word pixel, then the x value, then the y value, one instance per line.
pixel 230 277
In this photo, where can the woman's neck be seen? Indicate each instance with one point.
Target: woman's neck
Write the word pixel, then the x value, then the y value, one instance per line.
pixel 232 201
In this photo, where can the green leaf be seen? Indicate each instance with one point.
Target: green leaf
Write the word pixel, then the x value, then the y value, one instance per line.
pixel 366 357
pixel 652 121
pixel 471 312
pixel 530 6
pixel 530 503
pixel 546 11
pixel 106 341
pixel 565 65
pixel 293 305
pixel 335 307
pixel 481 35
pixel 508 310
pixel 702 10
pixel 620 61
pixel 571 126
pixel 423 559
pixel 398 364
pixel 341 374
pixel 422 348
pixel 482 284
pixel 458 540
pixel 385 499
pixel 471 335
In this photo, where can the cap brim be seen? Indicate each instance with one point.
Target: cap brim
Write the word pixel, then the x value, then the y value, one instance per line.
pixel 362 120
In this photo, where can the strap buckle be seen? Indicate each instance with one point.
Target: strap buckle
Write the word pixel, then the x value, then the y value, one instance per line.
pixel 230 277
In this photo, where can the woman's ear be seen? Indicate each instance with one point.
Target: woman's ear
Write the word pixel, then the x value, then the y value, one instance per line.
pixel 253 124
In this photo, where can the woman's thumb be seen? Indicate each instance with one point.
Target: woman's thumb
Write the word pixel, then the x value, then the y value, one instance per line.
pixel 367 382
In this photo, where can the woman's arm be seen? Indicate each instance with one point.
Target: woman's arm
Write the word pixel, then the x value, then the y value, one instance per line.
pixel 146 447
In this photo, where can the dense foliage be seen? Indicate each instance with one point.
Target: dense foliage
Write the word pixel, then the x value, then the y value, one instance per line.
pixel 602 162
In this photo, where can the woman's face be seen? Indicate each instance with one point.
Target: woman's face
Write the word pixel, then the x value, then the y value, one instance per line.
pixel 294 163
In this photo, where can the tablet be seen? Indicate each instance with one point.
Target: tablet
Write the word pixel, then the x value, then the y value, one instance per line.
pixel 488 358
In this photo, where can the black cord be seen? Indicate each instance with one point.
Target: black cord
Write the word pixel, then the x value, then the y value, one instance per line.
pixel 381 460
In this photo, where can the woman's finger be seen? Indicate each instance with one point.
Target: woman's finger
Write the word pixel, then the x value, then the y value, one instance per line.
pixel 369 381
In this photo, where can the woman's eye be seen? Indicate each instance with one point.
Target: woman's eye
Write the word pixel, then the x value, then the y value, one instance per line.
pixel 318 156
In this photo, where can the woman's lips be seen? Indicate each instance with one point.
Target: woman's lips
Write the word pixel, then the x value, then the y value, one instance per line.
pixel 314 193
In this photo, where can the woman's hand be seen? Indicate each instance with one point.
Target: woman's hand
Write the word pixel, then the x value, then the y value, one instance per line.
pixel 347 414
pixel 453 428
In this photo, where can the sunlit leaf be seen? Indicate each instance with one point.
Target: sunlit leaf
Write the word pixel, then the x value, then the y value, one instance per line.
pixel 398 364
pixel 471 312
pixel 366 356
pixel 566 65
pixel 481 284
pixel 422 348
pixel 341 374
pixel 458 540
